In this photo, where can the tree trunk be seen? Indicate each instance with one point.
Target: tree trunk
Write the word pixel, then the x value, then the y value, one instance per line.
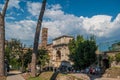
pixel 22 61
pixel 36 40
pixel 2 34
pixel 2 39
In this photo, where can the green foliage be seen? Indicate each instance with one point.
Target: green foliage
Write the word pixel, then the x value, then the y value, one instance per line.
pixel 111 58
pixel 117 57
pixel 17 58
pixel 43 76
pixel 13 52
pixel 82 52
pixel 7 53
pixel 42 57
pixel 27 58
pixel 115 47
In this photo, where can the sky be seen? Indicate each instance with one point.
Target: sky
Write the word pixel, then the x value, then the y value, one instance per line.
pixel 64 17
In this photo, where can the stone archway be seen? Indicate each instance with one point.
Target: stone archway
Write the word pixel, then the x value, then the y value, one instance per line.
pixel 58 55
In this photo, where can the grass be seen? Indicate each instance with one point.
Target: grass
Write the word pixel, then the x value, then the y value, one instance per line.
pixel 42 76
pixel 68 77
pixel 36 78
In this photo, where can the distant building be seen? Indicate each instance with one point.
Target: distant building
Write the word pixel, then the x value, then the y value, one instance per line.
pixel 44 37
pixel 106 55
pixel 115 46
pixel 58 50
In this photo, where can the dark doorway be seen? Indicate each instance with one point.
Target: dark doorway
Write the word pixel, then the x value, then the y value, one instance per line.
pixel 58 55
pixel 106 63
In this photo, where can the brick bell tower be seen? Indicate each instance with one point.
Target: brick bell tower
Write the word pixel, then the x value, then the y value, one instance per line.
pixel 44 37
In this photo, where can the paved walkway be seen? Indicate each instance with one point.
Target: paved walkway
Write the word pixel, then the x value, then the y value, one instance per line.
pixel 14 75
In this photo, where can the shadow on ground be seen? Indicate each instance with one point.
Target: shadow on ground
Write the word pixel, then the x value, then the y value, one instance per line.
pixel 53 77
pixel 11 73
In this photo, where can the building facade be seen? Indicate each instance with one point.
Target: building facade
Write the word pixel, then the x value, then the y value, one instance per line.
pixel 58 50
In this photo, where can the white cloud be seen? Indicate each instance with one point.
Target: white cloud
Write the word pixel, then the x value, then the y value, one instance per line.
pixel 54 14
pixel 115 27
pixel 53 10
pixel 1 5
pixel 14 3
pixel 56 7
pixel 60 23
pixel 34 8
pixel 11 4
pixel 11 18
pixel 97 25
pixel 23 30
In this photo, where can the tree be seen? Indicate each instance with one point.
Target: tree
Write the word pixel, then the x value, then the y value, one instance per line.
pixel 82 52
pixel 36 39
pixel 14 53
pixel 111 59
pixel 15 46
pixel 2 38
pixel 27 58
pixel 7 53
pixel 42 57
pixel 117 57
pixel 21 56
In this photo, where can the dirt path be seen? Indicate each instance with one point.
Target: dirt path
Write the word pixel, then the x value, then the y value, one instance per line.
pixel 81 76
pixel 85 77
pixel 14 75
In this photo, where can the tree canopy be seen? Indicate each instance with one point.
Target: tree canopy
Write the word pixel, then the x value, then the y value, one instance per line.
pixel 42 57
pixel 14 52
pixel 19 57
pixel 82 51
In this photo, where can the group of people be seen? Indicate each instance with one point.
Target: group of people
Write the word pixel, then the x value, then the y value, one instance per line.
pixel 93 70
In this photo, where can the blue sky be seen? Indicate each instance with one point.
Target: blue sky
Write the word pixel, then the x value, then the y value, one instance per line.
pixel 90 7
pixel 64 17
